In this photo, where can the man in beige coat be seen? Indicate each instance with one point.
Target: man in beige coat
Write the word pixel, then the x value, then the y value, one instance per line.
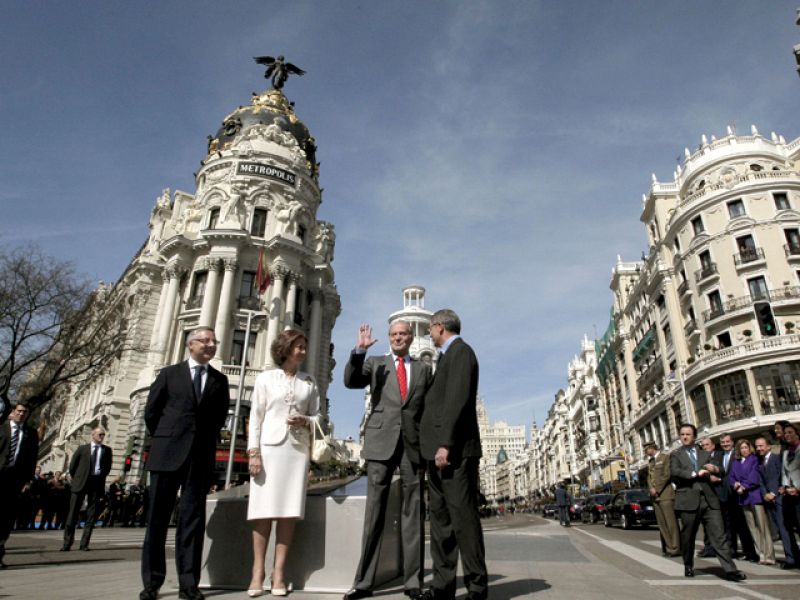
pixel 663 494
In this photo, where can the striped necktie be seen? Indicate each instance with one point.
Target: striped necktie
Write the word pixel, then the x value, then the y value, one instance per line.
pixel 12 449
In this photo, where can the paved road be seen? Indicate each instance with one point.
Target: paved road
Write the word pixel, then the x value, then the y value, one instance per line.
pixel 528 558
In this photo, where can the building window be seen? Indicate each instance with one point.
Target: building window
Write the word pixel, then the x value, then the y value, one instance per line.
pixel 792 241
pixel 248 286
pixel 758 288
pixel 747 250
pixel 715 304
pixel 781 200
pixel 301 233
pixel 259 226
pixel 248 294
pixel 198 290
pixel 736 209
pixel 697 225
pixel 724 340
pixel 731 397
pixel 701 412
pixel 213 218
pixel 237 348
pixel 778 387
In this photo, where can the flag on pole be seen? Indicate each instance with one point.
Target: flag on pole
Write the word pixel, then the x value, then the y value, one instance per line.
pixel 262 274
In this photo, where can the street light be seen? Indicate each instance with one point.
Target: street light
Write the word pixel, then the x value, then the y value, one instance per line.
pixel 242 367
pixel 674 377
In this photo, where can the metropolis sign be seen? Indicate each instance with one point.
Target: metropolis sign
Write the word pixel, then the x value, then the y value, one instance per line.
pixel 265 171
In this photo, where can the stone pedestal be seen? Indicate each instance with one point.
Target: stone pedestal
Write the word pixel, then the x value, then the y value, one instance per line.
pixel 326 548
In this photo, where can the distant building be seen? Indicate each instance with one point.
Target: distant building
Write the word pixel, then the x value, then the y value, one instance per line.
pixel 497 438
pixel 703 328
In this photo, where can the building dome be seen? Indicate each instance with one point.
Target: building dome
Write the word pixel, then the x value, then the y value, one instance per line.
pixel 268 108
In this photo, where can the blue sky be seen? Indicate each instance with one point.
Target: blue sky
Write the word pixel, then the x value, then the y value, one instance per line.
pixel 494 152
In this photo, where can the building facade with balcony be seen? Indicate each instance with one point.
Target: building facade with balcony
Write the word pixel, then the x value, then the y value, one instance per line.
pixel 256 200
pixel 704 328
pixel 511 439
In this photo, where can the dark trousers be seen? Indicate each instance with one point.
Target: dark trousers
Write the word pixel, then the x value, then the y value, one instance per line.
pixel 775 512
pixel 9 507
pixel 712 523
pixel 193 483
pixel 563 515
pixel 379 480
pixel 736 527
pixel 93 492
pixel 456 527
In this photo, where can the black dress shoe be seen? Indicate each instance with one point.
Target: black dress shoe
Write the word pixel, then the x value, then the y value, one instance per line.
pixel 706 554
pixel 786 565
pixel 414 593
pixel 148 594
pixel 436 594
pixel 355 594
pixel 688 572
pixel 85 548
pixel 191 593
pixel 477 596
pixel 735 576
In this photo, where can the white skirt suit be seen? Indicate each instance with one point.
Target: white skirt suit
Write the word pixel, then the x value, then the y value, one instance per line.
pixel 279 490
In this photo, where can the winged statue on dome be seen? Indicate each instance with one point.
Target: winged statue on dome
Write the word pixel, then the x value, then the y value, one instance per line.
pixel 278 69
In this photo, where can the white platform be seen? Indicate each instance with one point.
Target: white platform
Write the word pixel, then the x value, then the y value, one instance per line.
pixel 326 548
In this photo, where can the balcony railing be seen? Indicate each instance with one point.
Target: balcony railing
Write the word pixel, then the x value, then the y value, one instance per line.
pixel 713 313
pixel 194 302
pixel 249 302
pixel 748 255
pixel 755 347
pixel 706 272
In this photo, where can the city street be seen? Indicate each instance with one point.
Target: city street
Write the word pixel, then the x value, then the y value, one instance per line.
pixel 527 556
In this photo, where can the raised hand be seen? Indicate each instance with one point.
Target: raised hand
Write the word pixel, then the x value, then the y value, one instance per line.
pixel 364 339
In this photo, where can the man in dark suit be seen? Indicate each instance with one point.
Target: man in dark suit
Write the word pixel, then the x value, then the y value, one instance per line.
pixel 696 502
pixel 19 448
pixel 563 501
pixel 397 385
pixel 186 408
pixel 769 470
pixel 451 444
pixel 89 467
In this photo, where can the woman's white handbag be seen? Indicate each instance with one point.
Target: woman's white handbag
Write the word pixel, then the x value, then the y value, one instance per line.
pixel 322 449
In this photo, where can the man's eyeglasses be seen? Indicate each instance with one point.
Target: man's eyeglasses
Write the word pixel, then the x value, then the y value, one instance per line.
pixel 205 342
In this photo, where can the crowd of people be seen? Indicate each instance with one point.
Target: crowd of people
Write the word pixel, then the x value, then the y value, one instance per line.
pixel 44 503
pixel 745 494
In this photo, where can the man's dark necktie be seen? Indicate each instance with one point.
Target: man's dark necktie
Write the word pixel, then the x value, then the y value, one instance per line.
pixel 198 381
pixel 95 450
pixel 12 449
pixel 693 457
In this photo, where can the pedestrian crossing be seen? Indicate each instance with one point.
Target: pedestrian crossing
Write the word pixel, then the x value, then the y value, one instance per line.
pixel 120 537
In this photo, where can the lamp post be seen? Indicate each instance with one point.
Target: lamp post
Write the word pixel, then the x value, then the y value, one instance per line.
pixel 237 409
pixel 679 377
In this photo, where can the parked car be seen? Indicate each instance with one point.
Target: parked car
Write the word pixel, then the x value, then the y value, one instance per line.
pixel 629 508
pixel 576 508
pixel 550 510
pixel 594 507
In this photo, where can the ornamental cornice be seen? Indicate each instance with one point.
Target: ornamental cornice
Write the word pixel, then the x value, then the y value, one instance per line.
pixel 212 235
pixel 295 277
pixel 174 244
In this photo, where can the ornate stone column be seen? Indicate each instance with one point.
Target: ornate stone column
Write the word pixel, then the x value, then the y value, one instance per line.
pixel 314 331
pixel 291 299
pixel 222 325
pixel 275 306
pixel 174 272
pixel 155 334
pixel 211 298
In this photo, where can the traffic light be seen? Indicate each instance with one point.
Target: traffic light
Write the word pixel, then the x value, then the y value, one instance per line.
pixel 128 462
pixel 766 321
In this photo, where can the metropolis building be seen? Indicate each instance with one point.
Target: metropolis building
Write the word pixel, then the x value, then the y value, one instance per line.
pixel 257 192
pixel 704 328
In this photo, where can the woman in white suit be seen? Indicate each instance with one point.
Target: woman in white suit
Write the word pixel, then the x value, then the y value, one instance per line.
pixel 284 408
